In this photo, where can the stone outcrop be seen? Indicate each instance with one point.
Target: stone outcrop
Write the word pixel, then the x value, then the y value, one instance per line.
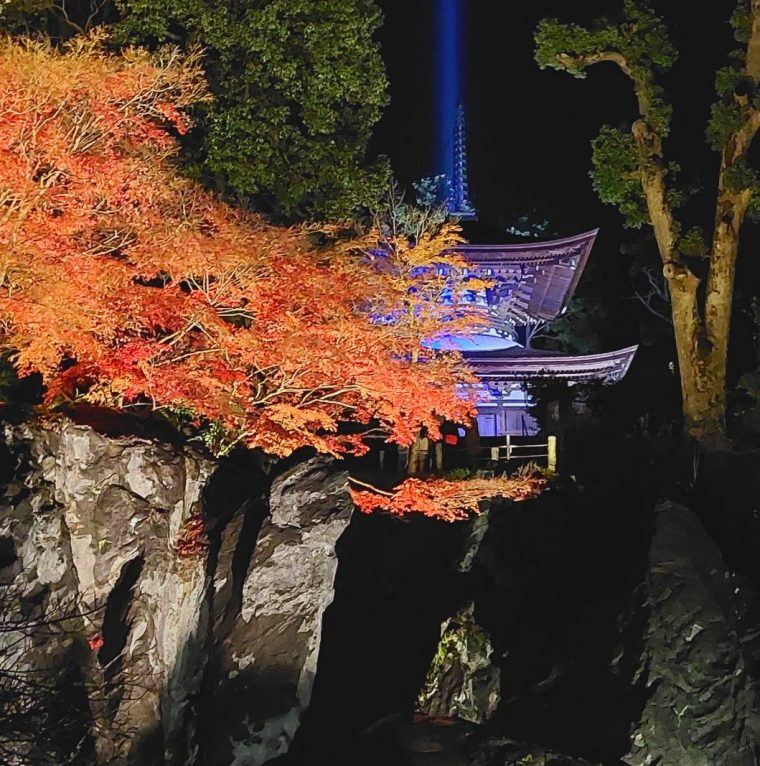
pixel 267 658
pixel 461 681
pixel 702 707
pixel 184 597
pixel 95 522
pixel 161 608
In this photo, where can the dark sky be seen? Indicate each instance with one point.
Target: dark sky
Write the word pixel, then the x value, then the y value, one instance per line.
pixel 530 130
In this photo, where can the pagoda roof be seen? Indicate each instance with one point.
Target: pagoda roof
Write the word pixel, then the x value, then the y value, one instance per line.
pixel 533 280
pixel 520 364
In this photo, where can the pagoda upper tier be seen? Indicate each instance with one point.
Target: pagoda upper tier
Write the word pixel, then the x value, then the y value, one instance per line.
pixel 532 281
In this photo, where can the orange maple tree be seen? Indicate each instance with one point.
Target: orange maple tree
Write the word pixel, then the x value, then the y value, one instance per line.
pixel 444 499
pixel 124 284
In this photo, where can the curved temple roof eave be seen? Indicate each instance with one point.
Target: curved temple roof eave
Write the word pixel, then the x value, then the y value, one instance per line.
pixel 544 244
pixel 549 271
pixel 609 367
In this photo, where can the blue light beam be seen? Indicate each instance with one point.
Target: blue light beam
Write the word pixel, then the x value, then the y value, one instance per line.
pixel 448 81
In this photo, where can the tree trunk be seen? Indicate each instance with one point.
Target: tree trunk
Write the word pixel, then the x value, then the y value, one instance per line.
pixel 703 387
pixel 701 336
pixel 701 342
pixel 701 354
pixel 701 361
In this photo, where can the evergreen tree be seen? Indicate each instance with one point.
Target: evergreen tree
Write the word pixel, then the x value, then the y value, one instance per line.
pixel 298 86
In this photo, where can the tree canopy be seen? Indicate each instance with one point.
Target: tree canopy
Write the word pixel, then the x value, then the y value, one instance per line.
pixel 447 500
pixel 298 86
pixel 631 170
pixel 125 284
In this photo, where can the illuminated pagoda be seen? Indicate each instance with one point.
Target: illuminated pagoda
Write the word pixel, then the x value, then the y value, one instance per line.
pixel 532 282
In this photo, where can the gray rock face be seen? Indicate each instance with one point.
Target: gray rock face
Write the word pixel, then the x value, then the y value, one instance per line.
pixel 702 709
pixel 97 525
pixel 268 657
pixel 92 512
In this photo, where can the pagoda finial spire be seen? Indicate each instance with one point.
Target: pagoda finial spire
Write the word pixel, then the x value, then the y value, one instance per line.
pixel 451 129
pixel 459 200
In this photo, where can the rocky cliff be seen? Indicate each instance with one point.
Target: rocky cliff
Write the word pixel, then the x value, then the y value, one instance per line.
pixel 172 602
pixel 161 608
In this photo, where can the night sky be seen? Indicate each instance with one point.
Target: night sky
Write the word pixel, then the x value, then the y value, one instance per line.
pixel 529 132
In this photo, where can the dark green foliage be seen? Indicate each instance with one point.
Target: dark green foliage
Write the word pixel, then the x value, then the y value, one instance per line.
pixel 554 39
pixel 398 216
pixel 577 330
pixel 727 114
pixel 741 176
pixel 693 245
pixel 638 42
pixel 299 85
pixel 737 92
pixel 429 192
pixel 741 21
pixel 639 36
pixel 15 15
pixel 616 175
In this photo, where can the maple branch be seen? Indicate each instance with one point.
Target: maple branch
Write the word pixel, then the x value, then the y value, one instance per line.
pixel 188 355
pixel 40 124
pixel 84 134
pixel 370 487
pixel 328 398
pixel 61 8
pixel 114 242
pixel 309 355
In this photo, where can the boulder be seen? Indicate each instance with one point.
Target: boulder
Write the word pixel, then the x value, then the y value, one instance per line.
pixel 95 527
pixel 461 682
pixel 702 705
pixel 267 658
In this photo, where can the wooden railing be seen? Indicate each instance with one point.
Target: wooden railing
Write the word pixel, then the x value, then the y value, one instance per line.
pixel 523 452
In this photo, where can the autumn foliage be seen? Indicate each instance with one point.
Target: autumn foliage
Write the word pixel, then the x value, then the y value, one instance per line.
pixel 446 500
pixel 192 539
pixel 124 284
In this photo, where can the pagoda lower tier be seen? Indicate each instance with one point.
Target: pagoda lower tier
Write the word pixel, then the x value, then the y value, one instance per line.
pixel 503 400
